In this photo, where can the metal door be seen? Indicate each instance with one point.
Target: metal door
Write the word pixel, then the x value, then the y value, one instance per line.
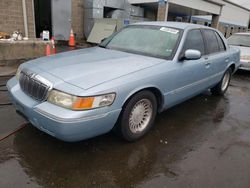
pixel 61 19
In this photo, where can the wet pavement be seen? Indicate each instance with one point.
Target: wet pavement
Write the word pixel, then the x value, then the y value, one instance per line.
pixel 204 142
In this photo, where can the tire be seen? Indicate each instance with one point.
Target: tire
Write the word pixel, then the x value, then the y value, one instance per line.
pixel 137 116
pixel 222 86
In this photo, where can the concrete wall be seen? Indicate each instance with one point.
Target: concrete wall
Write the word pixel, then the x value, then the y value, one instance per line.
pixel 195 4
pixel 162 12
pixel 11 16
pixel 199 5
pixel 30 18
pixel 11 51
pixel 234 15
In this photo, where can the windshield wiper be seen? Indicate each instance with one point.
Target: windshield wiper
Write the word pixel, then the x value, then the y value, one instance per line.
pixel 102 46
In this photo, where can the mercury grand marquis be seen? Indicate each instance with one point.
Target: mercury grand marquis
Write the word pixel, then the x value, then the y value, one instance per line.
pixel 123 83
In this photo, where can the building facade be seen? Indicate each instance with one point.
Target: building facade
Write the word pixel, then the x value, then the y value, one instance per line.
pixel 233 19
pixel 31 17
pixel 224 15
pixel 12 16
pixel 26 16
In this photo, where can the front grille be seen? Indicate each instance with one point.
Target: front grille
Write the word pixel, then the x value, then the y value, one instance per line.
pixel 33 86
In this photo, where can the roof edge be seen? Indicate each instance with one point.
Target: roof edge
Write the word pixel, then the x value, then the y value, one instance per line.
pixel 214 2
pixel 235 4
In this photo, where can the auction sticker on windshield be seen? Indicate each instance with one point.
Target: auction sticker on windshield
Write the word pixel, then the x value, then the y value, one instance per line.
pixel 169 30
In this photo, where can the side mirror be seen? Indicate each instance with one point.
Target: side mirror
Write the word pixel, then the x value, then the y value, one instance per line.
pixel 192 54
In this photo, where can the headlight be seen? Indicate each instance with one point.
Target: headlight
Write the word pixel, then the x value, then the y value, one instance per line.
pixel 80 103
pixel 18 73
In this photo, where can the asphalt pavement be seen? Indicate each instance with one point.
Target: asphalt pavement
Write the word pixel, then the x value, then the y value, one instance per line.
pixel 204 142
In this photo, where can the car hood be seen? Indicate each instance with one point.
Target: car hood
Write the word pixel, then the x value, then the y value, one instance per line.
pixel 244 51
pixel 90 67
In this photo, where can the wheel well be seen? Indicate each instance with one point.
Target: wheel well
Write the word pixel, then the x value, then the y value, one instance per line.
pixel 157 94
pixel 232 67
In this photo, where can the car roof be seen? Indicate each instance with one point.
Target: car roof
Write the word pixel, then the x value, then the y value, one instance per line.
pixel 178 25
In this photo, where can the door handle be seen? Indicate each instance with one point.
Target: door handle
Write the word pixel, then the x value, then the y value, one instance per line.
pixel 207 64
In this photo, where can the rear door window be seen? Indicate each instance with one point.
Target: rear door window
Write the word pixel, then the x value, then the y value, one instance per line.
pixel 194 41
pixel 211 41
pixel 221 43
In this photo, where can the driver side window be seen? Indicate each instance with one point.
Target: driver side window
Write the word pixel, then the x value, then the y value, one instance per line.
pixel 194 41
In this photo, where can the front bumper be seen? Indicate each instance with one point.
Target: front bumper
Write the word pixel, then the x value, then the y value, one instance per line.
pixel 64 124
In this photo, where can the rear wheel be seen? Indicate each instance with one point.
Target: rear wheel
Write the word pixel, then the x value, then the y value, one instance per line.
pixel 138 116
pixel 222 86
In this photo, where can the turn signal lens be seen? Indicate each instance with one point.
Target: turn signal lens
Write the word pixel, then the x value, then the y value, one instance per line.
pixel 83 103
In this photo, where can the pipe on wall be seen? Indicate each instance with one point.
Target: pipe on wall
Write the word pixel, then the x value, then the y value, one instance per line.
pixel 34 19
pixel 25 18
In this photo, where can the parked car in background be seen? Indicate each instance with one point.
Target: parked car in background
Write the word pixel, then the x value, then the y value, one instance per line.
pixel 242 41
pixel 143 69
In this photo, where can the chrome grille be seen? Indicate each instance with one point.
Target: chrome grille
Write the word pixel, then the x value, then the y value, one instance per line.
pixel 34 86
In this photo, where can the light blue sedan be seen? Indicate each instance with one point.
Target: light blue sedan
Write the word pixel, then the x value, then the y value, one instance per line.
pixel 136 73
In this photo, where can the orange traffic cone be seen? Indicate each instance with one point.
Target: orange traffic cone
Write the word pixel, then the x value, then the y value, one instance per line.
pixel 47 51
pixel 72 39
pixel 53 51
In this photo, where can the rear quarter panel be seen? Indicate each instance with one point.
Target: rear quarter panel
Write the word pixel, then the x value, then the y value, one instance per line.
pixel 234 57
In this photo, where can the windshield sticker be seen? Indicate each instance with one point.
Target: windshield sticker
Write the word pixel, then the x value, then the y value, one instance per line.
pixel 169 30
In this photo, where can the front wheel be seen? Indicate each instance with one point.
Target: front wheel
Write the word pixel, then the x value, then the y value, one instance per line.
pixel 222 86
pixel 138 116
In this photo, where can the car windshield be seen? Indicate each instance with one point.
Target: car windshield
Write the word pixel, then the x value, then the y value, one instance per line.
pixel 146 40
pixel 239 40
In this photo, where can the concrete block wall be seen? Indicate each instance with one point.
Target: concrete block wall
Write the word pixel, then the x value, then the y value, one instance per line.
pixel 11 16
pixel 78 19
pixel 30 18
